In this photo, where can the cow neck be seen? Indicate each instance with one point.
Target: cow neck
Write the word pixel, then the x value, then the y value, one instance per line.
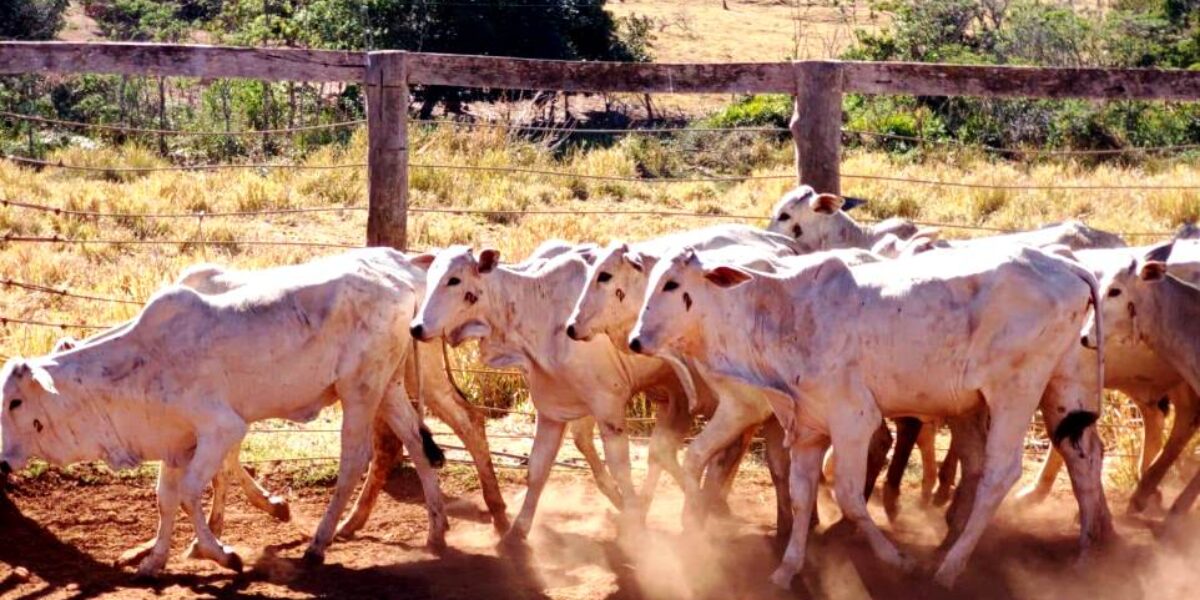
pixel 1173 303
pixel 527 310
pixel 751 356
pixel 854 235
pixel 83 428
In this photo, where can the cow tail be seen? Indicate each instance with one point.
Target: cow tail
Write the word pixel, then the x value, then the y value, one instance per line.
pixel 1098 321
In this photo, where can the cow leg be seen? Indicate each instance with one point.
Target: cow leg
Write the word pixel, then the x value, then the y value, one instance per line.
pixel 1041 487
pixel 1182 504
pixel 215 447
pixel 1070 407
pixel 722 470
pixel 908 429
pixel 259 497
pixel 1154 420
pixel 616 456
pixel 806 454
pixel 779 465
pixel 583 435
pixel 670 429
pixel 728 422
pixel 449 405
pixel 877 457
pixel 359 404
pixel 220 494
pixel 547 439
pixel 946 474
pixel 929 468
pixel 406 423
pixel 386 449
pixel 152 555
pixel 968 434
pixel 853 424
pixel 1002 468
pixel 1187 419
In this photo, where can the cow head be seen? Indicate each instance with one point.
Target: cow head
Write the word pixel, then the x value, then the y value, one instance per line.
pixel 28 393
pixel 807 217
pixel 455 295
pixel 614 291
pixel 680 299
pixel 1125 292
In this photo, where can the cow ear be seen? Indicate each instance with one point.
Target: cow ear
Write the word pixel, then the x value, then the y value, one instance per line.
pixel 1159 253
pixel 727 277
pixel 488 259
pixel 826 203
pixel 850 202
pixel 635 260
pixel 422 261
pixel 64 344
pixel 1153 270
pixel 39 376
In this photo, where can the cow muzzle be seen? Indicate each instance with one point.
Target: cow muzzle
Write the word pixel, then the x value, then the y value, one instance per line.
pixel 418 332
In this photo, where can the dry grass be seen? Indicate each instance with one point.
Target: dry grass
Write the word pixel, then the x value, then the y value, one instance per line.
pixel 137 271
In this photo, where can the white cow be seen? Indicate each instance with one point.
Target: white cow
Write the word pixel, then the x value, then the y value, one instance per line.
pixel 943 334
pixel 820 222
pixel 1148 305
pixel 608 305
pixel 1071 234
pixel 425 374
pixel 201 368
pixel 518 314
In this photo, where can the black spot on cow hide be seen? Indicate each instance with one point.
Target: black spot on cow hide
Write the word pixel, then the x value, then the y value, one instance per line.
pixel 471 298
pixel 1073 425
pixel 432 451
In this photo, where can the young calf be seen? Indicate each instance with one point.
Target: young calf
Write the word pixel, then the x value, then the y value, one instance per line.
pixel 820 222
pixel 202 368
pixel 943 334
pixel 1145 303
pixel 519 315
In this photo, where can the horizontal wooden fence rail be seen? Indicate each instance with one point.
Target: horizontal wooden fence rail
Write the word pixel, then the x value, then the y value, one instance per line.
pixel 818 87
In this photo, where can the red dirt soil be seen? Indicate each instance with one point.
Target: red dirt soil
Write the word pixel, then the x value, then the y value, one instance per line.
pixel 58 539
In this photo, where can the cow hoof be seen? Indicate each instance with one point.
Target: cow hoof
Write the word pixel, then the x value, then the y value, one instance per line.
pixel 942 496
pixel 149 569
pixel 280 509
pixel 1031 495
pixel 501 523
pixel 232 561
pixel 782 578
pixel 134 555
pixel 946 575
pixel 314 557
pixel 891 502
pixel 513 540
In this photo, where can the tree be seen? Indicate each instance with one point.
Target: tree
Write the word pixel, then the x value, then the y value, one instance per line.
pixel 31 19
pixel 557 29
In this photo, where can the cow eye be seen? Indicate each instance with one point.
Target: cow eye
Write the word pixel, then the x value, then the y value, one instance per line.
pixel 14 404
pixel 604 276
pixel 783 217
pixel 1113 293
pixel 670 285
pixel 453 281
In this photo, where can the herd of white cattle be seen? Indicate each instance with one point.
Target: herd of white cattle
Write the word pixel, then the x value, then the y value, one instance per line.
pixel 813 330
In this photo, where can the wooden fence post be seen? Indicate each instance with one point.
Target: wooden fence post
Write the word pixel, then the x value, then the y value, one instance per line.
pixel 817 125
pixel 387 149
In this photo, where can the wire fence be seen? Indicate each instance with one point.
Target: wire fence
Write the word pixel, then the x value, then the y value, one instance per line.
pixel 1035 445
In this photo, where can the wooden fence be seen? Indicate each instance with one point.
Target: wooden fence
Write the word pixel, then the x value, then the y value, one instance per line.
pixel 818 87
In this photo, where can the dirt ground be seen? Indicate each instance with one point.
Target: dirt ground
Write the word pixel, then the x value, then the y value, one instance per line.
pixel 58 539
